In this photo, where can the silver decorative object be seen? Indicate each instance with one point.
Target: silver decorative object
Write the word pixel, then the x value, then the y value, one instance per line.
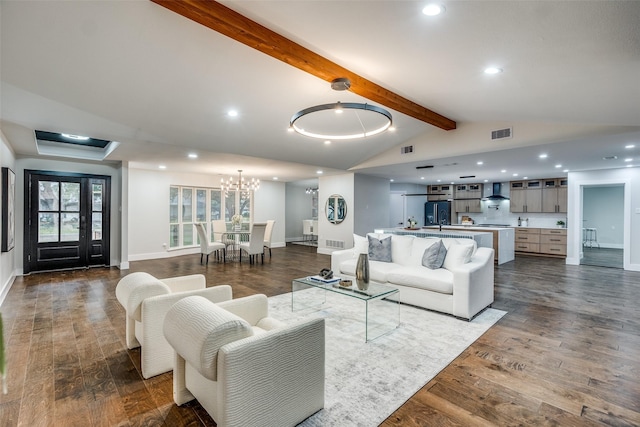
pixel 362 272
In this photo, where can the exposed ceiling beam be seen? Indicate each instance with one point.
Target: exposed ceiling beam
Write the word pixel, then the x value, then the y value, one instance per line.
pixel 240 28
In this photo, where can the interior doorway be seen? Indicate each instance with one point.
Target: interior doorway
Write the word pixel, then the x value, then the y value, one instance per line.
pixel 66 220
pixel 397 209
pixel 603 225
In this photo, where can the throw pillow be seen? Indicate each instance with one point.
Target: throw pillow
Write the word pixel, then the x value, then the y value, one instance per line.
pixel 457 255
pixel 360 245
pixel 434 255
pixel 379 249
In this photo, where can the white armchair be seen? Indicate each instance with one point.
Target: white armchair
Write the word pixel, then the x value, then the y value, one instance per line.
pixel 146 301
pixel 245 368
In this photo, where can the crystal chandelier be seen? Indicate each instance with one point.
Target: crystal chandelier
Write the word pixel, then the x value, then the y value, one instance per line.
pixel 239 185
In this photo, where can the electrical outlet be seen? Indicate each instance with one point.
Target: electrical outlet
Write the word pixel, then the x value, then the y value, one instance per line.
pixel 164 245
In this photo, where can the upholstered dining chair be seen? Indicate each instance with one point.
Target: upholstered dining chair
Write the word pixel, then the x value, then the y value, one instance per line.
pixel 307 229
pixel 268 234
pixel 255 245
pixel 207 247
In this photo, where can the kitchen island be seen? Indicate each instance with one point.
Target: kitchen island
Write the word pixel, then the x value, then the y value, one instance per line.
pixel 483 239
pixel 503 239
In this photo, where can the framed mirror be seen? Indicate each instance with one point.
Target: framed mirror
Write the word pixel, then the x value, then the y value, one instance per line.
pixel 336 209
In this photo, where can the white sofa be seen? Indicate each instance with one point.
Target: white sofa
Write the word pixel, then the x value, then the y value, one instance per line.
pixel 245 368
pixel 146 301
pixel 463 287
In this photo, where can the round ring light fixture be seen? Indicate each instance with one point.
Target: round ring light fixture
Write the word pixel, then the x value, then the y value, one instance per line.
pixel 341 120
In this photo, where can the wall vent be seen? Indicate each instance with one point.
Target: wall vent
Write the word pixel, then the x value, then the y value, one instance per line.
pixel 502 133
pixel 335 244
pixel 406 150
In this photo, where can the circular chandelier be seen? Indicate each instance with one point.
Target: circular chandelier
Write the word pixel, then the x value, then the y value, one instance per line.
pixel 341 120
pixel 239 185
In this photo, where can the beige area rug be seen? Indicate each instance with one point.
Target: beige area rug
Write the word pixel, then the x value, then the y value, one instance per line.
pixel 367 382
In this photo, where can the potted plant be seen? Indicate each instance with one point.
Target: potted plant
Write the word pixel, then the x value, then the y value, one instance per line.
pixel 560 224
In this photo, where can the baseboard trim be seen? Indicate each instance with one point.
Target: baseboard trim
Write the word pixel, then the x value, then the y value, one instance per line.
pixel 6 287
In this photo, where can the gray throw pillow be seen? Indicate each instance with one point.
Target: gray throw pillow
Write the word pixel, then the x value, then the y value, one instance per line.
pixel 379 249
pixel 434 255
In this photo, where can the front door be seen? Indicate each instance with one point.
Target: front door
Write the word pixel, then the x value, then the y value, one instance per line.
pixel 66 220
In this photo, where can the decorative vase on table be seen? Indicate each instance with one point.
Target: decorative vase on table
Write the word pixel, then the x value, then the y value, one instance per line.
pixel 362 272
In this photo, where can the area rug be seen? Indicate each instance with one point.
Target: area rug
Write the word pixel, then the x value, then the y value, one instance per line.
pixel 367 382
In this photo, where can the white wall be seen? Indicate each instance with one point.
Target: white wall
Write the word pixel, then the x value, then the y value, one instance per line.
pixel 344 186
pixel 415 204
pixel 603 209
pixel 371 198
pixel 630 178
pixel 8 268
pixel 149 210
pixel 93 168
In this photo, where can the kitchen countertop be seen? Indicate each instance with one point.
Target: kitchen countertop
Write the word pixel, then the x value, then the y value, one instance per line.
pixel 468 227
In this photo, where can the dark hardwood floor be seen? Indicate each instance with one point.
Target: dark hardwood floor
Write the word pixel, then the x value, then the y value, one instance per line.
pixel 566 353
pixel 602 257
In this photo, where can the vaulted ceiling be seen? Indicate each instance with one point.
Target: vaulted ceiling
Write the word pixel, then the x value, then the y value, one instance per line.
pixel 162 84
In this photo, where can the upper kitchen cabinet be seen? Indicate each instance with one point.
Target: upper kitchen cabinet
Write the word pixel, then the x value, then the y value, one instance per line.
pixel 526 196
pixel 467 198
pixel 554 195
pixel 437 193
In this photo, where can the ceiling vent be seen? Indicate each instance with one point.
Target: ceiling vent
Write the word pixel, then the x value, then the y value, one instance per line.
pixel 424 167
pixel 502 133
pixel 406 150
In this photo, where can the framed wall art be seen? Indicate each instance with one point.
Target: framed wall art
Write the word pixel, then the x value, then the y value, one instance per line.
pixel 8 209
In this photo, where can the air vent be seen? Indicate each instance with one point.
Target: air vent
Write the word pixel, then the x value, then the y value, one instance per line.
pixel 467 176
pixel 336 244
pixel 424 167
pixel 406 150
pixel 502 133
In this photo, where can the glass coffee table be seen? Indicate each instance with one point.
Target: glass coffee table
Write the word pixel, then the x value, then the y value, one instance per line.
pixel 381 316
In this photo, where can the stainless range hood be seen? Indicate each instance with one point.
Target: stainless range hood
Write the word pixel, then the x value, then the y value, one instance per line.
pixel 497 188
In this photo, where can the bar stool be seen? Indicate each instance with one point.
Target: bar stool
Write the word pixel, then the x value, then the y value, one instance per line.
pixel 590 237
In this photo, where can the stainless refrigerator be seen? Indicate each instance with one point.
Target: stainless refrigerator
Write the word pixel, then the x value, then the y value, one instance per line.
pixel 436 213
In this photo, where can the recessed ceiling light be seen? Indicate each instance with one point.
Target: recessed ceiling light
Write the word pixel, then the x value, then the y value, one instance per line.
pixel 452 182
pixel 480 163
pixel 558 166
pixel 162 167
pixel 492 70
pixel 275 178
pixel 543 156
pixel 629 166
pixel 486 180
pixel 327 142
pixel 433 9
pixel 565 170
pixel 439 180
pixel 503 170
pixel 319 172
pixel 525 177
pixel 422 177
pixel 515 174
pixel 232 113
pixel 630 146
pixel 290 129
pixel 391 180
pixel 628 159
pixel 193 156
pixel 391 128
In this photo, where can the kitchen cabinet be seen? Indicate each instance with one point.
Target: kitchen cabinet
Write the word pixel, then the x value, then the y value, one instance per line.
pixel 554 195
pixel 467 198
pixel 550 242
pixel 439 192
pixel 526 196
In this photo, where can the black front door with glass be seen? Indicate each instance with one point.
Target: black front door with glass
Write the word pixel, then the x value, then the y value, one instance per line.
pixel 66 220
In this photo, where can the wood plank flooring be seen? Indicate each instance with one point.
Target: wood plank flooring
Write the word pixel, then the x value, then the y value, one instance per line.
pixel 566 353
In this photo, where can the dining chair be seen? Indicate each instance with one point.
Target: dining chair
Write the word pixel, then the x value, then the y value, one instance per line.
pixel 207 247
pixel 307 229
pixel 255 245
pixel 267 235
pixel 314 230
